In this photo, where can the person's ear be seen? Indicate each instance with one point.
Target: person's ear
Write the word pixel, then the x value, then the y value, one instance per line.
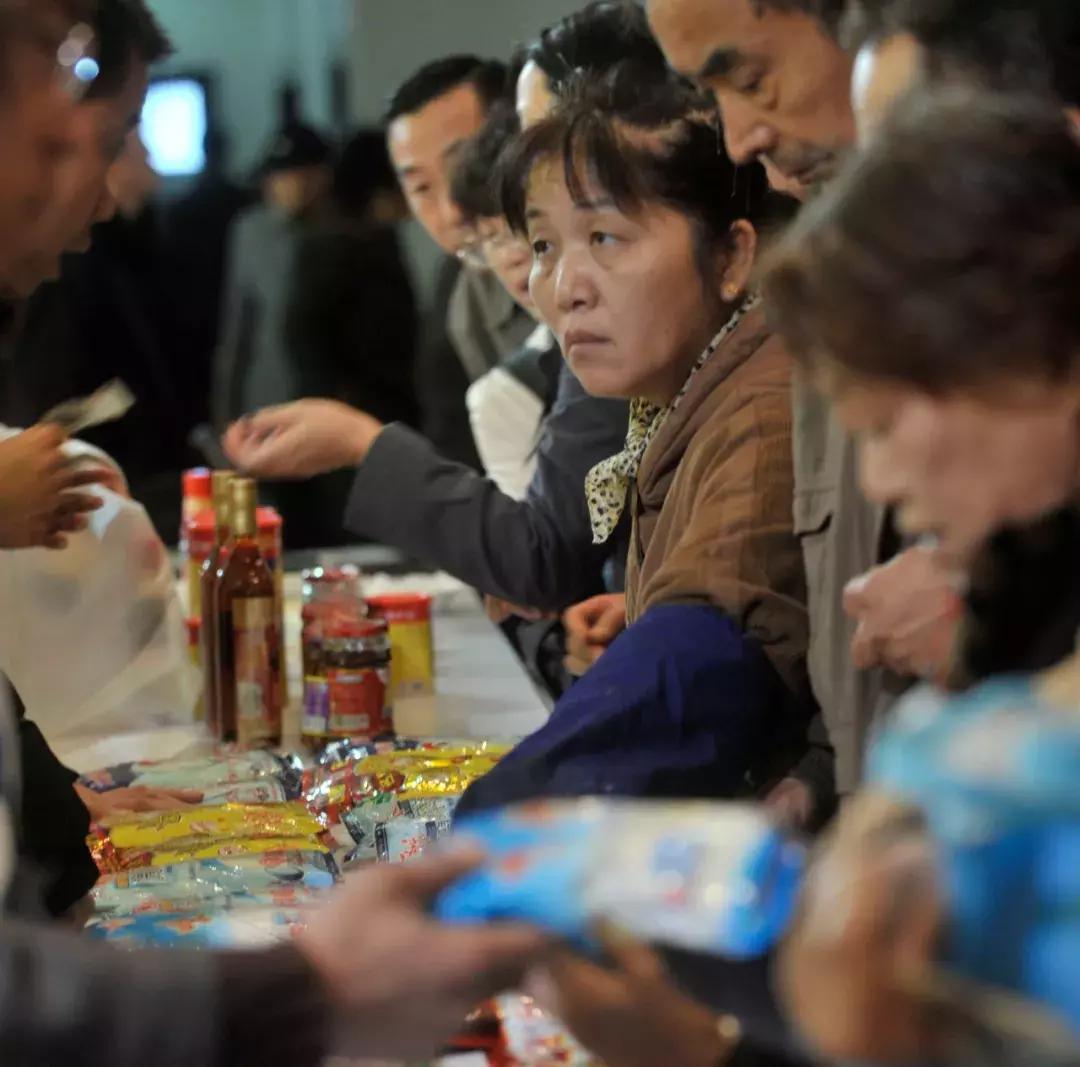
pixel 738 261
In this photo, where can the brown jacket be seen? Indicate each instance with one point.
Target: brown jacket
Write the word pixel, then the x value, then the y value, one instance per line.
pixel 712 503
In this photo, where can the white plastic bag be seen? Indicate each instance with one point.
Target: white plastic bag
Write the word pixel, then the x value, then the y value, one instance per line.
pixel 92 637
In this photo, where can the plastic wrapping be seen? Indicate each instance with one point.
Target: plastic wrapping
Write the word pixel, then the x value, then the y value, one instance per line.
pixel 707 877
pixel 205 773
pixel 222 930
pixel 161 838
pixel 278 879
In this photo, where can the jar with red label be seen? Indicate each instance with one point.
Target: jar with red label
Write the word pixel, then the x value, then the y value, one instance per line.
pixel 356 659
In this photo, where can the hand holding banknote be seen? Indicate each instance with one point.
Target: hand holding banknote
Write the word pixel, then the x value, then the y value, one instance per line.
pixel 40 497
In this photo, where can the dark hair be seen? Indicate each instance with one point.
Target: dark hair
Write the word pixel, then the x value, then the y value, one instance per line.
pixel 946 254
pixel 474 183
pixel 26 23
pixel 363 171
pixel 660 146
pixel 434 80
pixel 592 41
pixel 830 13
pixel 126 33
pixel 1026 45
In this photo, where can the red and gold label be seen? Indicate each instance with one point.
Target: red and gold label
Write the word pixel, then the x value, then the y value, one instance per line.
pixel 258 664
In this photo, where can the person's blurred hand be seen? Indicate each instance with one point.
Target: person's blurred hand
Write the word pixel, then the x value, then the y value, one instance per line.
pixel 498 611
pixel 301 440
pixel 908 613
pixel 137 799
pixel 590 627
pixel 852 972
pixel 629 1014
pixel 792 803
pixel 39 497
pixel 401 981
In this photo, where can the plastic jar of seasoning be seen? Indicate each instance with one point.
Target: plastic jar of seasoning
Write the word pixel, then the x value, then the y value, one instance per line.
pixel 356 657
pixel 197 497
pixel 409 618
pixel 317 581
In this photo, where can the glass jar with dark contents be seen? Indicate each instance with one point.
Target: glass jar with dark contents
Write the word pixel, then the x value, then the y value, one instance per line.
pixel 356 660
pixel 331 596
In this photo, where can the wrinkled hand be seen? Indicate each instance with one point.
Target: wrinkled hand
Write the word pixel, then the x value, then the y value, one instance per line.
pixel 301 440
pixel 39 501
pixel 865 940
pixel 630 1015
pixel 792 803
pixel 116 802
pixel 908 613
pixel 498 611
pixel 401 981
pixel 590 627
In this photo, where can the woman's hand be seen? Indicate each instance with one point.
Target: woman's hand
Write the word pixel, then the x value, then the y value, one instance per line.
pixel 630 1015
pixel 39 498
pixel 105 806
pixel 301 440
pixel 590 627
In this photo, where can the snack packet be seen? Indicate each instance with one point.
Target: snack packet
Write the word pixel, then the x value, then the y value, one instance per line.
pixel 533 1038
pixel 249 928
pixel 160 838
pixel 281 879
pixel 204 773
pixel 418 824
pixel 715 878
pixel 358 826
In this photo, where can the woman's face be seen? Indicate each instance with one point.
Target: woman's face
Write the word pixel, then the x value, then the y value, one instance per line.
pixel 962 466
pixel 622 294
pixel 509 258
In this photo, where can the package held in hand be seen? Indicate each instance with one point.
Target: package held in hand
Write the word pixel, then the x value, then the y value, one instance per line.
pixel 714 878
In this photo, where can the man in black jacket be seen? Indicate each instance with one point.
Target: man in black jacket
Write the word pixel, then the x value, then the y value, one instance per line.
pixel 372 975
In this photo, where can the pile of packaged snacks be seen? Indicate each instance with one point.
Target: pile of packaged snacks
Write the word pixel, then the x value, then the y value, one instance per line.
pixel 272 879
pixel 213 774
pixel 390 805
pixel 158 839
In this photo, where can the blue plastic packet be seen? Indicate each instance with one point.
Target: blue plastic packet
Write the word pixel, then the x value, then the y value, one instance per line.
pixel 714 878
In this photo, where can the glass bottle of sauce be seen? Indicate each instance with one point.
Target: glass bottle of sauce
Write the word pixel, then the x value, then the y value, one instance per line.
pixel 208 579
pixel 249 645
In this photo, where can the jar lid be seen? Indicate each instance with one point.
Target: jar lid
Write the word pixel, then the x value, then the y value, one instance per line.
pixel 330 575
pixel 402 607
pixel 269 519
pixel 197 483
pixel 355 629
pixel 194 629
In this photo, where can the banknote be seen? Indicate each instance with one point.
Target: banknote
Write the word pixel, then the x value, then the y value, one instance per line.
pixel 107 404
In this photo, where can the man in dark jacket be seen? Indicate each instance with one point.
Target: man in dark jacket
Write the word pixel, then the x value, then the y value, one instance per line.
pixel 64 1000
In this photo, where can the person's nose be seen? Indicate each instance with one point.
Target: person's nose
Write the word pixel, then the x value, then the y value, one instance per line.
pixel 450 217
pixel 106 206
pixel 746 133
pixel 575 289
pixel 880 474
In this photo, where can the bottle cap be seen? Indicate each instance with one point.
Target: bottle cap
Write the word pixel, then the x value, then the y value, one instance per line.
pixel 196 484
pixel 401 607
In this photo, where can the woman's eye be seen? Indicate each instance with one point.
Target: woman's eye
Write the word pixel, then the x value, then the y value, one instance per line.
pixel 420 190
pixel 602 239
pixel 540 247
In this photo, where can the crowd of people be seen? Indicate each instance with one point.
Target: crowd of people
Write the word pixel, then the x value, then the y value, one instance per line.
pixel 750 405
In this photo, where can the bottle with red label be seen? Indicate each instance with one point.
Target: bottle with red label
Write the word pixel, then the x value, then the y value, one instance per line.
pixel 249 645
pixel 356 659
